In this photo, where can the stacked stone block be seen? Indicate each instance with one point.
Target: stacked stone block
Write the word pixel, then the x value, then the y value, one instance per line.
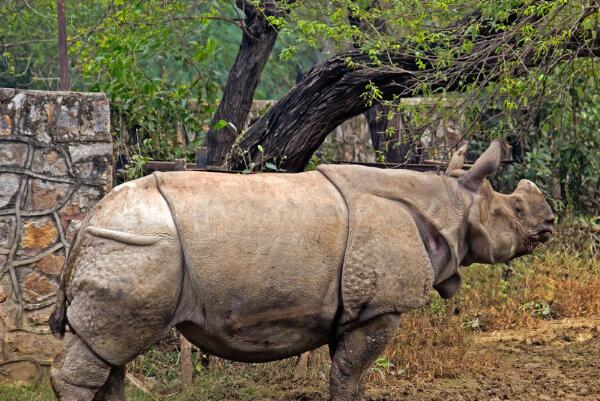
pixel 55 164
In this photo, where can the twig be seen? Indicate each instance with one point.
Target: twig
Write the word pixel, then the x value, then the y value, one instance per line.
pixel 137 383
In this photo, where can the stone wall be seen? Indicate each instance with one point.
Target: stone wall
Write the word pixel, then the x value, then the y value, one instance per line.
pixel 55 164
pixel 350 141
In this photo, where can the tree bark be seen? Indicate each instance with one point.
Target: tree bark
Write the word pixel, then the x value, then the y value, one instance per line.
pixel 391 146
pixel 186 363
pixel 332 92
pixel 63 59
pixel 257 43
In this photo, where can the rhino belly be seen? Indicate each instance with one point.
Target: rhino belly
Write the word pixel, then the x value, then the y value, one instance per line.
pixel 262 257
pixel 258 330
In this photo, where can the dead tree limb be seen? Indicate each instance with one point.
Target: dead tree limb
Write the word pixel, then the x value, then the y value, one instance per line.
pixel 187 369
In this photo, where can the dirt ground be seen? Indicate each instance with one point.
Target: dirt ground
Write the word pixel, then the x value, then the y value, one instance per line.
pixel 560 360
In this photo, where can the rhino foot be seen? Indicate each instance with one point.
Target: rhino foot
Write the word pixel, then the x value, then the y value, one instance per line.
pixel 77 374
pixel 354 353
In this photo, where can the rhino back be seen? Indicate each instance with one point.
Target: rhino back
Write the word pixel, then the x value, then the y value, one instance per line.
pixel 263 254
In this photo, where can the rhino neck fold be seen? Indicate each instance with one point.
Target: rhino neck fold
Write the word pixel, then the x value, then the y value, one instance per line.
pixel 443 259
pixel 338 314
pixel 430 200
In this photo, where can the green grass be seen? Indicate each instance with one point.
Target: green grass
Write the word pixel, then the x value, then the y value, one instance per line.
pixel 43 392
pixel 40 391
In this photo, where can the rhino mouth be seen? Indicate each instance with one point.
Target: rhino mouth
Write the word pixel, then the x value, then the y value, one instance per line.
pixel 545 234
pixel 540 236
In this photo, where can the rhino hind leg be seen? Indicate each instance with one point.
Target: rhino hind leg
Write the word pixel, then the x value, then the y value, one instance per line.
pixel 77 373
pixel 354 353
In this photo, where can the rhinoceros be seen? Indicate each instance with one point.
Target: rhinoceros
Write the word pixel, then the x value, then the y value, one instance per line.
pixel 262 267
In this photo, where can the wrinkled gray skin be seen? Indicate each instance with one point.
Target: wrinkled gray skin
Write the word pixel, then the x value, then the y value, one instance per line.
pixel 262 267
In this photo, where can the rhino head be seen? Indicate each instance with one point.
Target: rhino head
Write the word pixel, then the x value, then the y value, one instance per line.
pixel 501 227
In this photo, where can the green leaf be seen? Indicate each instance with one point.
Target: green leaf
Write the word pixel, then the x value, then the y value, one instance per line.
pixel 220 124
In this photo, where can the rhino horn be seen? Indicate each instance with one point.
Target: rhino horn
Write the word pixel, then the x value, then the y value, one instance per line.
pixel 458 158
pixel 486 165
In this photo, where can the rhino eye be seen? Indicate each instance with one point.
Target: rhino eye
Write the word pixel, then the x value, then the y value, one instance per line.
pixel 519 209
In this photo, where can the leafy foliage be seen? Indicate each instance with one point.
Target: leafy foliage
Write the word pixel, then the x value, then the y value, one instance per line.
pixel 561 149
pixel 154 60
pixel 164 62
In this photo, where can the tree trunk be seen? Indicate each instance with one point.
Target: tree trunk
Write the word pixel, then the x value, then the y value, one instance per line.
pixel 301 365
pixel 187 369
pixel 386 146
pixel 390 146
pixel 63 59
pixel 257 43
pixel 296 126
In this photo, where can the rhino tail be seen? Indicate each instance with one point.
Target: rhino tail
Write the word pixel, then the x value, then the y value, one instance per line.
pixel 58 319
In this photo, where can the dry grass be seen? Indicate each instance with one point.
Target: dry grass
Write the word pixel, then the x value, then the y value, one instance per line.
pixel 557 282
pixel 560 280
pixel 429 347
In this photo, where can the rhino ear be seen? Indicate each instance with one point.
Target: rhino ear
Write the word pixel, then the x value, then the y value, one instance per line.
pixel 458 159
pixel 486 165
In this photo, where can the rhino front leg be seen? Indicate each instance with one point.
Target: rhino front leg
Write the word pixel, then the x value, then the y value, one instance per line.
pixel 77 373
pixel 114 388
pixel 354 353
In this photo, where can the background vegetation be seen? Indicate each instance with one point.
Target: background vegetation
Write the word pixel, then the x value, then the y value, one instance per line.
pixel 164 64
